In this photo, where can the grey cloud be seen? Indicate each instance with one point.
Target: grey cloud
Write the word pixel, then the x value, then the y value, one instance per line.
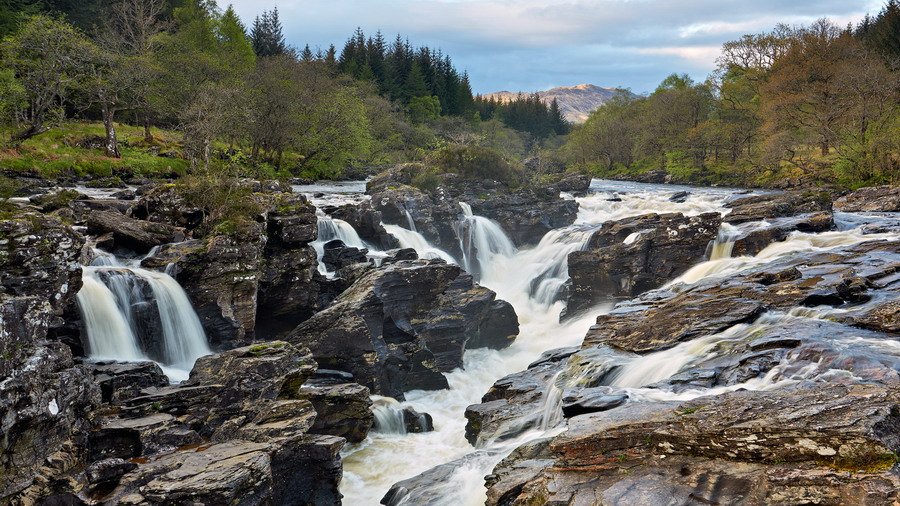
pixel 528 44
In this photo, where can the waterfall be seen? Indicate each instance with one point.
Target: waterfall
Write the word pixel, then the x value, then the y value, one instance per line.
pixel 409 220
pixel 795 243
pixel 330 229
pixel 724 243
pixel 481 240
pixel 109 334
pixel 416 241
pixel 388 415
pixel 531 279
pixel 135 314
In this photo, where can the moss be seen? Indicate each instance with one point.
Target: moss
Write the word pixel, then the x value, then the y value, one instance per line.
pixel 260 349
pixel 863 459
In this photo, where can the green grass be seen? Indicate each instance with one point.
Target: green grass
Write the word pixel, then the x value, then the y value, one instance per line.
pixel 55 154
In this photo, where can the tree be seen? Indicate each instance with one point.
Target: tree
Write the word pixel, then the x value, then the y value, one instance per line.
pixel 130 36
pixel 267 35
pixel 802 92
pixel 47 56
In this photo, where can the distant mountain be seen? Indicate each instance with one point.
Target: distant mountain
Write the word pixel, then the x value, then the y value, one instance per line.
pixel 575 102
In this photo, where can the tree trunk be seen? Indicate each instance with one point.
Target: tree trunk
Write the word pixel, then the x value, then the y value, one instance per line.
pixel 148 135
pixel 112 142
pixel 27 133
pixel 825 147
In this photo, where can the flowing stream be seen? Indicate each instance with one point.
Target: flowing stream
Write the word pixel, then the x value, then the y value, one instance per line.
pixel 135 314
pixel 532 280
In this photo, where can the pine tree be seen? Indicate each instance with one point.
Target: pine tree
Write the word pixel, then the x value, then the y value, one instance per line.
pixel 307 55
pixel 415 85
pixel 267 35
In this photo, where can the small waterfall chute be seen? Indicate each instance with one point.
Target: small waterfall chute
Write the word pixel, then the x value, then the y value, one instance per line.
pixel 416 241
pixel 388 415
pixel 482 242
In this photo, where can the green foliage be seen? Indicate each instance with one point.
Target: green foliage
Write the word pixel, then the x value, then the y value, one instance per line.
pixel 805 105
pixel 230 207
pixel 48 58
pixel 477 163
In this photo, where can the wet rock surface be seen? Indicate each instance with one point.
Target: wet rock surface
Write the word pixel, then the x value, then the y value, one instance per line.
pixel 236 433
pixel 827 434
pixel 884 199
pixel 775 205
pixel 399 327
pixel 628 257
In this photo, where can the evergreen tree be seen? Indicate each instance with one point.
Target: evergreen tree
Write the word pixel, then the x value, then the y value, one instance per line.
pixel 415 85
pixel 307 55
pixel 267 35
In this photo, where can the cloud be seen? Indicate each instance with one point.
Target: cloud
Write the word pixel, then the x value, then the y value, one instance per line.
pixel 527 44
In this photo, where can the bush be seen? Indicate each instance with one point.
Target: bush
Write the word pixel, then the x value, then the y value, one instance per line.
pixel 478 163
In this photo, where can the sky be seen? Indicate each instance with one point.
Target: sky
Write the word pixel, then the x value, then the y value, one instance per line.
pixel 530 45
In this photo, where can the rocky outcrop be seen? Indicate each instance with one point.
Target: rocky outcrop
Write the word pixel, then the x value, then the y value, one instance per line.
pixel 45 397
pixel 290 286
pixel 794 446
pixel 166 204
pixel 342 409
pixel 131 234
pixel 400 326
pixel 235 433
pixel 775 205
pixel 628 257
pixel 883 199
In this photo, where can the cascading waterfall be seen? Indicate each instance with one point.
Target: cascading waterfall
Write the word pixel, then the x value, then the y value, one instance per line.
pixel 724 243
pixel 416 241
pixel 134 314
pixel 388 415
pixel 530 279
pixel 330 229
pixel 481 240
pixel 795 243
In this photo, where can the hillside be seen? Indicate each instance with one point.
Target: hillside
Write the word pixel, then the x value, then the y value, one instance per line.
pixel 576 102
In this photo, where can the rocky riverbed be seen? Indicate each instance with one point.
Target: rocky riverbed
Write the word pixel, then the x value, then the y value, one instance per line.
pixel 581 342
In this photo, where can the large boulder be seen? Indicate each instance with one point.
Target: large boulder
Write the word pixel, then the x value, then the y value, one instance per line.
pixel 128 233
pixel 290 286
pixel 399 327
pixel 628 257
pixel 775 205
pixel 166 204
pixel 221 275
pixel 884 199
pixel 342 409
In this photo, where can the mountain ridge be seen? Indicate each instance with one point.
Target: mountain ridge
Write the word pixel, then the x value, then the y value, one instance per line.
pixel 575 102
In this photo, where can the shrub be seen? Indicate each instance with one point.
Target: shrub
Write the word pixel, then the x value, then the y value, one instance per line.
pixel 477 163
